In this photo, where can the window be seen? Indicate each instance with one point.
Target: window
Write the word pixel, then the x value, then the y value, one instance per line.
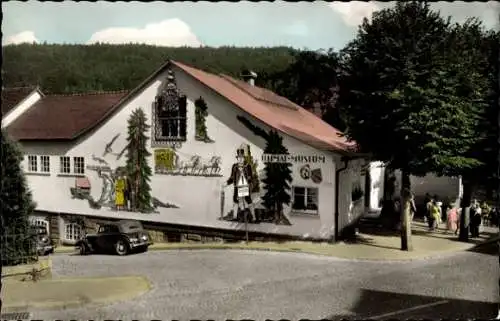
pixel 45 164
pixel 32 163
pixel 170 113
pixel 40 222
pixel 72 232
pixel 79 165
pixel 305 199
pixel 65 166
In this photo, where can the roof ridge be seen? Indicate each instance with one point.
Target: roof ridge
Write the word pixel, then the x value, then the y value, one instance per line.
pixel 236 82
pixel 90 93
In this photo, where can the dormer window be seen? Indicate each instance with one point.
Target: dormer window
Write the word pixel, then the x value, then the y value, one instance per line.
pixel 169 112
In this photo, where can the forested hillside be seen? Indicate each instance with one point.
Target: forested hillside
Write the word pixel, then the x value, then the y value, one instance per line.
pixel 81 68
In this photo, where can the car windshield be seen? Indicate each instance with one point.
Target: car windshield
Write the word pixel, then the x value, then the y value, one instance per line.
pixel 129 227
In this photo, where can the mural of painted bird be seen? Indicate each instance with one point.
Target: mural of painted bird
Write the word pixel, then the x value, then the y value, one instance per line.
pixel 107 148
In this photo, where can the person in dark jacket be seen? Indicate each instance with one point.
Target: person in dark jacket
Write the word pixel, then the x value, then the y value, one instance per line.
pixel 475 219
pixel 242 179
pixel 428 207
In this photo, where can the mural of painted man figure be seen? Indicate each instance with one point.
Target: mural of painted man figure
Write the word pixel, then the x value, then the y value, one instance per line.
pixel 242 180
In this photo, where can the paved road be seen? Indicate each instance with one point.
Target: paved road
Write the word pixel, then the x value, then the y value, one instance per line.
pixel 223 285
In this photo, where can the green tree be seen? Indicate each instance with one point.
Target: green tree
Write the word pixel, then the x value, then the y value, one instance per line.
pixel 16 206
pixel 399 92
pixel 311 82
pixel 84 68
pixel 475 51
pixel 137 166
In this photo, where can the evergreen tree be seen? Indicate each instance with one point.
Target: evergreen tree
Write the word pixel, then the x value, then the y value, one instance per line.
pixel 278 178
pixel 16 206
pixel 401 94
pixel 137 166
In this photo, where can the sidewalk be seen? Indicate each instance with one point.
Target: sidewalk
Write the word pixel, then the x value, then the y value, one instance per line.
pixel 66 293
pixel 371 245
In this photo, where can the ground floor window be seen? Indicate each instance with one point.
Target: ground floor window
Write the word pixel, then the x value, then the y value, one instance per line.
pixel 72 232
pixel 305 199
pixel 32 164
pixel 65 165
pixel 42 222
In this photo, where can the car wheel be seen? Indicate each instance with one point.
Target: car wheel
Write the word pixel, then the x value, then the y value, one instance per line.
pixel 82 249
pixel 121 247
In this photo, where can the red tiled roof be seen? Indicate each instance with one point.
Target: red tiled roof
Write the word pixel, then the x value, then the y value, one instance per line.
pixel 11 97
pixel 63 116
pixel 68 116
pixel 275 111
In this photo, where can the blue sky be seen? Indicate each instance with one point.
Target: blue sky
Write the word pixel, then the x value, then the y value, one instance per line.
pixel 301 24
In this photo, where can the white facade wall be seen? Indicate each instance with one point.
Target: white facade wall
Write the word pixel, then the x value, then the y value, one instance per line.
pixel 198 197
pixel 446 188
pixel 349 178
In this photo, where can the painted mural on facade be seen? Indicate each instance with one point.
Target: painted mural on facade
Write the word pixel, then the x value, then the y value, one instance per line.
pixel 259 206
pixel 245 181
pixel 171 162
pixel 314 174
pixel 124 188
pixel 115 192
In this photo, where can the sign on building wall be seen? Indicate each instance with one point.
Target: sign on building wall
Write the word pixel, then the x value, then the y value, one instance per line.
pixel 287 158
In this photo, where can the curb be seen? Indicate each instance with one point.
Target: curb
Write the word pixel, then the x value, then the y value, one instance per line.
pixel 243 247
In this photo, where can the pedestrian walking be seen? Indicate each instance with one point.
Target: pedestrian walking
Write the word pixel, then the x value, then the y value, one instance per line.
pixel 452 219
pixel 428 213
pixel 475 219
pixel 493 217
pixel 413 207
pixel 485 213
pixel 436 216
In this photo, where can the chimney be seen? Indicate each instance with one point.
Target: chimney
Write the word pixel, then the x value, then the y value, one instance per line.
pixel 249 76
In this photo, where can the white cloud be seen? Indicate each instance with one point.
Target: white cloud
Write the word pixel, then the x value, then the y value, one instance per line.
pixel 353 12
pixel 22 37
pixel 171 33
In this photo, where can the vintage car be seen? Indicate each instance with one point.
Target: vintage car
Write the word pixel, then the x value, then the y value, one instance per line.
pixel 120 237
pixel 44 244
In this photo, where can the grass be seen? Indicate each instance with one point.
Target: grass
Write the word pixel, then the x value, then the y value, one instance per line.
pixel 66 293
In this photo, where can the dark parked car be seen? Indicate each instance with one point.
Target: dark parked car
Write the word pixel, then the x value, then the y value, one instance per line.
pixel 44 244
pixel 121 237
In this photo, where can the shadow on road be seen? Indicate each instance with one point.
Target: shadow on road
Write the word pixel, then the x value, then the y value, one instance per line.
pixel 490 248
pixel 380 305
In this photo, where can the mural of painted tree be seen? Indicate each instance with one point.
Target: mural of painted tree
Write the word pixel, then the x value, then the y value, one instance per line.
pixel 278 175
pixel 137 167
pixel 253 163
pixel 201 113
